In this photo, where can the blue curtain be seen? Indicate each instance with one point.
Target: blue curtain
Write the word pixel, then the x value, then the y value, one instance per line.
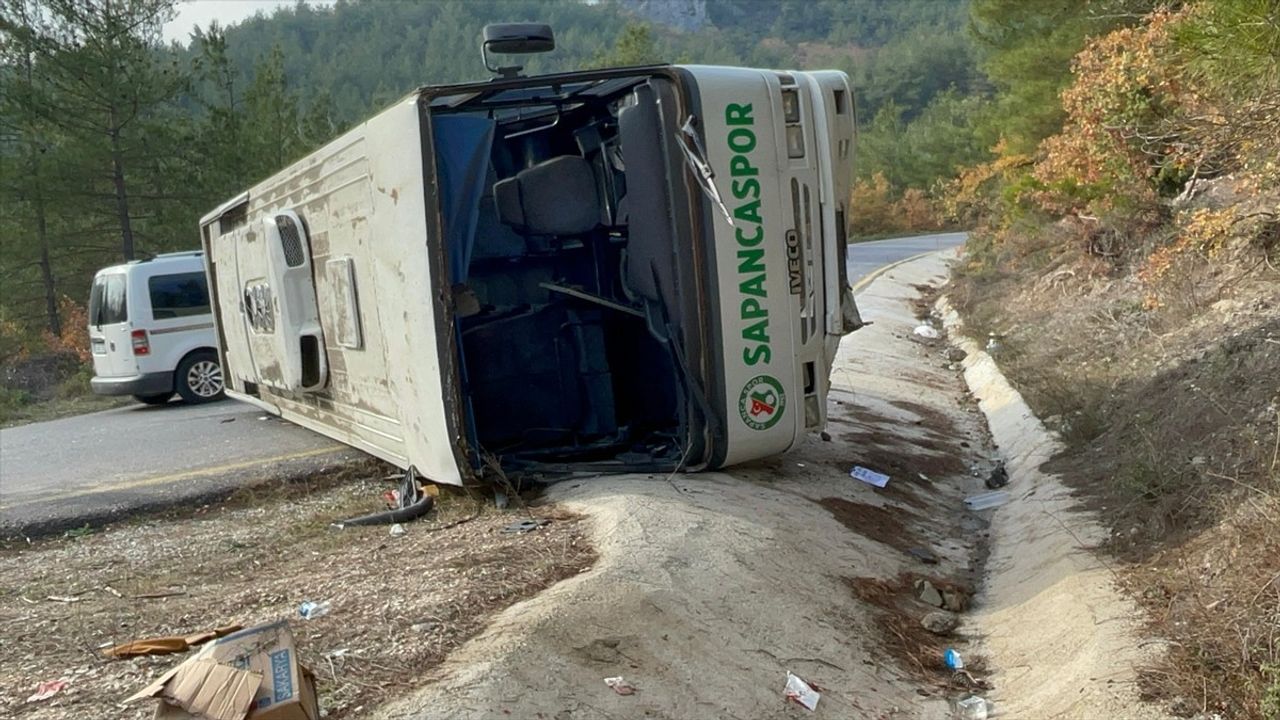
pixel 462 146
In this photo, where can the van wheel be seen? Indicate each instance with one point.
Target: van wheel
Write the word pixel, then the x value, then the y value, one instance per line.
pixel 160 399
pixel 199 378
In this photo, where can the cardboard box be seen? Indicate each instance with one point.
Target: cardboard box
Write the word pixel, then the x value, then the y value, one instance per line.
pixel 251 674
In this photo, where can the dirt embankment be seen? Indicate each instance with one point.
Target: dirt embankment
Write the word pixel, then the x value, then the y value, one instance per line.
pixel 710 588
pixel 1170 413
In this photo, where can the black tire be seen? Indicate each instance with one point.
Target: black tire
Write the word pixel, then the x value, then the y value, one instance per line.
pixel 198 378
pixel 159 399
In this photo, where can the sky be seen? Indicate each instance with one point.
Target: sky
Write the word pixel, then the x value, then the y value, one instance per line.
pixel 226 12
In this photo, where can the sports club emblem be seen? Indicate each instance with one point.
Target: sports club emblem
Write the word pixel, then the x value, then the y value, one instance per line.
pixel 761 402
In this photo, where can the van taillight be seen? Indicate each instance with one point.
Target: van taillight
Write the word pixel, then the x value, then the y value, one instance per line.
pixel 141 345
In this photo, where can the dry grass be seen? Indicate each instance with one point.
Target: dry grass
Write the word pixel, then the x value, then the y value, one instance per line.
pixel 1170 417
pixel 1218 600
pixel 399 604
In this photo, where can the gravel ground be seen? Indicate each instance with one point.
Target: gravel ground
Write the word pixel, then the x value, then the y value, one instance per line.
pixel 399 605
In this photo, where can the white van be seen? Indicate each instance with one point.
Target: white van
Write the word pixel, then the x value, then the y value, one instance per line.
pixel 629 269
pixel 151 331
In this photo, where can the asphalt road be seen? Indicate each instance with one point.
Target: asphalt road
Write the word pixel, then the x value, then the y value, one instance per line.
pixel 865 258
pixel 105 465
pixel 97 467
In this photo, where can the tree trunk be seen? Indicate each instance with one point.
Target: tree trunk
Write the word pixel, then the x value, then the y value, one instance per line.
pixel 122 197
pixel 46 268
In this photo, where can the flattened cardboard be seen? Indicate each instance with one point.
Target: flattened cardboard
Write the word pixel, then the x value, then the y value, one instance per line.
pixel 214 683
pixel 209 689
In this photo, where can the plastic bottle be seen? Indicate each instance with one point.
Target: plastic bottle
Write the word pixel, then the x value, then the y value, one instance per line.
pixel 972 708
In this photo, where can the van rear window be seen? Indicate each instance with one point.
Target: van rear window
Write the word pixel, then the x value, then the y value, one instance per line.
pixel 107 302
pixel 182 295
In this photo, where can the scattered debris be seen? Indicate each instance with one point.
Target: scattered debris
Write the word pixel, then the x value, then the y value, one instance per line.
pixel 985 501
pixel 620 686
pixel 970 682
pixel 928 594
pixel 63 598
pixel 409 502
pixel 972 708
pixel 993 345
pixel 47 689
pixel 955 354
pixel 113 591
pixel 953 659
pixel 255 668
pixel 225 421
pixel 869 477
pixel 940 622
pixel 396 530
pixel 526 525
pixel 924 555
pixel 801 692
pixel 926 331
pixel 311 610
pixel 826 436
pixel 998 478
pixel 167 645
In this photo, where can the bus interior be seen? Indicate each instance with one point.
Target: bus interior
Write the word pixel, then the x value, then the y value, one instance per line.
pixel 558 205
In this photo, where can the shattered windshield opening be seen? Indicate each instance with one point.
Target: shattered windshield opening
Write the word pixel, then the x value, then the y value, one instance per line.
pixel 559 208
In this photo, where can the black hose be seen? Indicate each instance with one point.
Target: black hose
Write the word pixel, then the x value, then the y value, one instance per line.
pixel 398 515
pixel 413 504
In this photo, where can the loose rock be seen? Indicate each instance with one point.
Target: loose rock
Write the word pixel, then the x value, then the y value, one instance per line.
pixel 955 600
pixel 940 622
pixel 928 593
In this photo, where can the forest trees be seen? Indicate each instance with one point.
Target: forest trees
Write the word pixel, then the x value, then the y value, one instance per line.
pixel 83 89
pixel 112 145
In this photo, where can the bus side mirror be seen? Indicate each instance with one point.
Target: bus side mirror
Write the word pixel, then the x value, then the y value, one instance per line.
pixel 515 39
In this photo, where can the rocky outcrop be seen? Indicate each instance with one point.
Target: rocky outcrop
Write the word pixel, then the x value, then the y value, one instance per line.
pixel 682 15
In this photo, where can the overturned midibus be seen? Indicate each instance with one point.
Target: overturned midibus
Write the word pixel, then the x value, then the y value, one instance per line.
pixel 630 269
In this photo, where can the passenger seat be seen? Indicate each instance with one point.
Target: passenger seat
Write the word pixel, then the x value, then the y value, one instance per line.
pixel 557 197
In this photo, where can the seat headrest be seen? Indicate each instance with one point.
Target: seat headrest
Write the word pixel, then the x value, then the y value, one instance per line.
pixel 555 197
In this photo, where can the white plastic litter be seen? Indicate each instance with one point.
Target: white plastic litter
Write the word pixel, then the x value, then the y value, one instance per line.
pixel 396 530
pixel 800 691
pixel 311 610
pixel 926 331
pixel 870 477
pixel 985 501
pixel 620 686
pixel 972 708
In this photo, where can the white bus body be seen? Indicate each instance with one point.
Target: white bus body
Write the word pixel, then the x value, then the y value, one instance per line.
pixel 602 271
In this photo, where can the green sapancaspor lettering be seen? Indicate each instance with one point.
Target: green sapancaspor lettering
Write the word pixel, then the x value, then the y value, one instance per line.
pixel 746 188
pixel 758 332
pixel 752 241
pixel 751 260
pixel 740 166
pixel 749 234
pixel 753 285
pixel 742 140
pixel 748 212
pixel 756 355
